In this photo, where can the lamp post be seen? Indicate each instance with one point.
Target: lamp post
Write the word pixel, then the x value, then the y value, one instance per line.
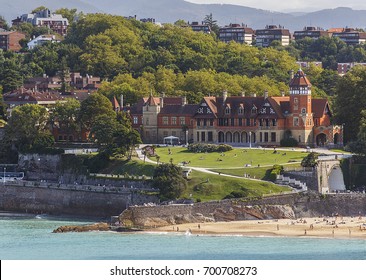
pixel 250 140
pixel 4 174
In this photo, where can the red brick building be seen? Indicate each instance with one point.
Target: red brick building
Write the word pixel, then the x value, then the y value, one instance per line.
pixel 9 40
pixel 240 120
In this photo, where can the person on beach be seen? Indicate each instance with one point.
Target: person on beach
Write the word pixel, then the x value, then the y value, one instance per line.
pixel 199 226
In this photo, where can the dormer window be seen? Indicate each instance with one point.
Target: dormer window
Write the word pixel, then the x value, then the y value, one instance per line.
pixel 241 110
pixel 254 110
pixel 227 110
pixel 303 111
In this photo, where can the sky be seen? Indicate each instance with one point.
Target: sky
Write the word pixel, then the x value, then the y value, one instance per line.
pixel 292 5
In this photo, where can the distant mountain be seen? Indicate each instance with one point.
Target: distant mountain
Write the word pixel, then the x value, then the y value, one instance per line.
pixel 10 9
pixel 171 10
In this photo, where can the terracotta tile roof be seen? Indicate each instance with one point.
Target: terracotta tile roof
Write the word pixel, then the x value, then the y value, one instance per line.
pixel 115 103
pixel 300 80
pixel 151 101
pixel 283 102
pixel 320 107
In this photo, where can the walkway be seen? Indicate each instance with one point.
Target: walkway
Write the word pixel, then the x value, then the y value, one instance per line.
pixel 207 170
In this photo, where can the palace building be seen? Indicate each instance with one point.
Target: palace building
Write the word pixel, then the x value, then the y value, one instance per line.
pixel 240 120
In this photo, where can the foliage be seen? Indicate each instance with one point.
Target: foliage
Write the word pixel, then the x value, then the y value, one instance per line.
pixel 242 192
pixel 65 115
pixel 351 97
pixel 208 187
pixel 93 107
pixel 70 14
pixel 209 148
pixel 169 180
pixel 310 160
pixel 95 163
pixel 276 170
pixel 27 127
pixel 289 142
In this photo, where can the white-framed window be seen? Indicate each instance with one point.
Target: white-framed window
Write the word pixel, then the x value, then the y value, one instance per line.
pixel 227 110
pixel 296 121
pixel 254 110
pixel 182 120
pixel 165 120
pixel 135 120
pixel 241 110
pixel 174 120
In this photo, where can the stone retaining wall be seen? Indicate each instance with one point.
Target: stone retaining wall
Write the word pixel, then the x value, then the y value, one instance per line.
pixel 276 207
pixel 69 201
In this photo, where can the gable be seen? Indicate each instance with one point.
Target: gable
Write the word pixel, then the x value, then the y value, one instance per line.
pixel 267 110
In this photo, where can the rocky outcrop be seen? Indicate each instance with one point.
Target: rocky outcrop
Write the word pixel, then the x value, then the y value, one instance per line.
pixel 290 206
pixel 83 228
pixel 159 216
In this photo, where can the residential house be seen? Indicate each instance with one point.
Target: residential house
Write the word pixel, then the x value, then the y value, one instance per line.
pixel 55 22
pixel 238 33
pixel 311 32
pixel 9 40
pixel 264 37
pixel 41 40
pixel 197 27
pixel 343 68
pixel 351 36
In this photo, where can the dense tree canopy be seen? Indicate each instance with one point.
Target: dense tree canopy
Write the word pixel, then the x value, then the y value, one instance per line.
pixel 27 127
pixel 350 100
pixel 169 180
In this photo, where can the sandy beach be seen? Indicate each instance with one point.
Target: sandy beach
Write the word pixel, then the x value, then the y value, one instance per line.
pixel 327 227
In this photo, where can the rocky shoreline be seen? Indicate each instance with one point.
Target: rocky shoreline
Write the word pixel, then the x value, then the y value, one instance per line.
pixel 94 227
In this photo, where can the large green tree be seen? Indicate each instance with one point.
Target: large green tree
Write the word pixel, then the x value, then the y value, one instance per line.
pixel 169 180
pixel 94 106
pixel 65 115
pixel 350 100
pixel 27 128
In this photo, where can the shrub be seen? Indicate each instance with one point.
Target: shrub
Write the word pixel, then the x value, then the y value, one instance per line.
pixel 243 192
pixel 209 148
pixel 276 170
pixel 309 160
pixel 289 142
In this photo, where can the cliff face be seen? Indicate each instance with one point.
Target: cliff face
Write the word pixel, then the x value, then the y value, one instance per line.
pixel 277 207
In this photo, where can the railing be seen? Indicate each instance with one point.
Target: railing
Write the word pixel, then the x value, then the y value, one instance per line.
pixel 77 187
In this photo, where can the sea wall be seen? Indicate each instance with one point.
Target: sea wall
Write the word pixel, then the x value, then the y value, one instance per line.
pixel 276 207
pixel 96 201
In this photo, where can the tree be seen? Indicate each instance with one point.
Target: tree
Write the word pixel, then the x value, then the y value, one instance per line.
pixel 26 126
pixel 65 116
pixel 3 23
pixel 38 9
pixel 70 14
pixel 94 106
pixel 211 23
pixel 350 100
pixel 169 180
pixel 103 131
pixel 310 160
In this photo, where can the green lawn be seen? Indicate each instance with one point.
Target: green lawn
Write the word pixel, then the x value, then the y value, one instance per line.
pixel 254 172
pixel 131 167
pixel 206 187
pixel 234 158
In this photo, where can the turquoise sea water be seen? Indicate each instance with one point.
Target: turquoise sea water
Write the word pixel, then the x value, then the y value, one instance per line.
pixel 31 237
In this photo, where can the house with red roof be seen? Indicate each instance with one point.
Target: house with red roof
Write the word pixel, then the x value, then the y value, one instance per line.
pixel 240 120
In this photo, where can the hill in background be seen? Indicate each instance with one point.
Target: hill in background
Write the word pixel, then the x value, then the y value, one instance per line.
pixel 168 11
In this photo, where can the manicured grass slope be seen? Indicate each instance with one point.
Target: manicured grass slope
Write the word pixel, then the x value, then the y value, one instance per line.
pixel 205 187
pixel 234 158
